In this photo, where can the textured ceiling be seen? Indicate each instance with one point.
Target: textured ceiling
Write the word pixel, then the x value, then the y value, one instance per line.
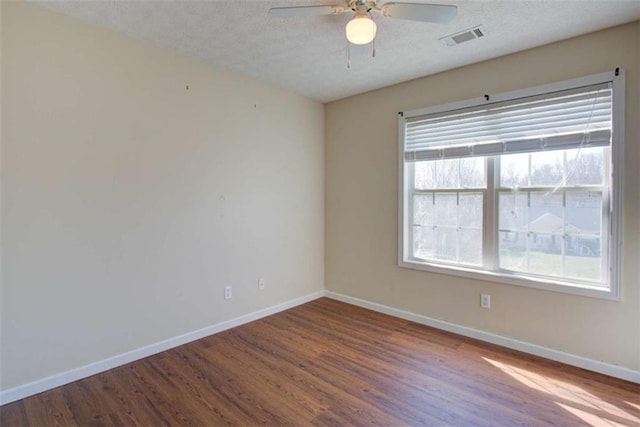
pixel 307 55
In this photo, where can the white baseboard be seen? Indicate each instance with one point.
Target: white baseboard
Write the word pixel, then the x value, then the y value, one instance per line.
pixel 537 350
pixel 57 380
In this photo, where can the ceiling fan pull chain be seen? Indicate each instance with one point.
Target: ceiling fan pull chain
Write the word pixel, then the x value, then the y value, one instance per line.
pixel 373 52
pixel 348 55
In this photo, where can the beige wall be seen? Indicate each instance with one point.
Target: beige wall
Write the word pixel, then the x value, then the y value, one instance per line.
pixel 361 169
pixel 129 202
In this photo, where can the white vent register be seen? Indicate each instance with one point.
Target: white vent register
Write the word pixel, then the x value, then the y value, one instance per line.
pixel 463 36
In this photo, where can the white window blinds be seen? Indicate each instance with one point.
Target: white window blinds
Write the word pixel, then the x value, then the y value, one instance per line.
pixel 556 121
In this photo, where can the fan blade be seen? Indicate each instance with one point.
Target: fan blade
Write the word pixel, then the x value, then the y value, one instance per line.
pixel 438 13
pixel 288 12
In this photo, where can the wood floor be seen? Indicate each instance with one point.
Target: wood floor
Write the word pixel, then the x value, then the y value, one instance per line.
pixel 330 363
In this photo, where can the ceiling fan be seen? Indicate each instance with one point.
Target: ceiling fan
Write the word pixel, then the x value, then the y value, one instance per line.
pixel 361 29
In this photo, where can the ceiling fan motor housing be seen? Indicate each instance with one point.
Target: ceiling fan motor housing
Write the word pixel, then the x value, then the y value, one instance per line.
pixel 361 5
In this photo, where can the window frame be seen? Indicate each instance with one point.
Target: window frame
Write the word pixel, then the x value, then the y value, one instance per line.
pixel 615 181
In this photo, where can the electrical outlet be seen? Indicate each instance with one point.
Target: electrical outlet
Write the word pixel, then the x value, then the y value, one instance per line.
pixel 262 283
pixel 227 292
pixel 485 300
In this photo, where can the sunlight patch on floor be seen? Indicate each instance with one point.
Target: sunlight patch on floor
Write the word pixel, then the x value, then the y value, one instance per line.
pixel 591 419
pixel 579 402
pixel 635 405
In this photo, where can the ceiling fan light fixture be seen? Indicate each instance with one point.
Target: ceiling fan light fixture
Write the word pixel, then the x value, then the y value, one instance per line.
pixel 361 29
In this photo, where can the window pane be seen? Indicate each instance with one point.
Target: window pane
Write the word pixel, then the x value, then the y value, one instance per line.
pixel 423 209
pixel 470 246
pixel 585 166
pixel 530 253
pixel 514 170
pixel 546 213
pixel 581 261
pixel 513 211
pixel 445 248
pixel 470 228
pixel 545 254
pixel 448 173
pixel 423 242
pixel 558 241
pixel 546 229
pixel 547 168
pixel 470 210
pixel 528 233
pixel 448 227
pixel 513 250
pixel 472 173
pixel 584 212
pixel 451 173
pixel 446 209
pixel 424 174
pixel 583 241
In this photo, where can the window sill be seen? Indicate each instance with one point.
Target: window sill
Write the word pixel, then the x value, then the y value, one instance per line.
pixel 548 285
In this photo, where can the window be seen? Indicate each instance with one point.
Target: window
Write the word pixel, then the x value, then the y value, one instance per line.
pixel 523 187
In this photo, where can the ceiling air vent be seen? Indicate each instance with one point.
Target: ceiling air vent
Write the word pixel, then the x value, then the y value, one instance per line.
pixel 463 36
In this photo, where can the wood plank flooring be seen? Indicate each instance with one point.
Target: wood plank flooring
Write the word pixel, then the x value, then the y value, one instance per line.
pixel 330 363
